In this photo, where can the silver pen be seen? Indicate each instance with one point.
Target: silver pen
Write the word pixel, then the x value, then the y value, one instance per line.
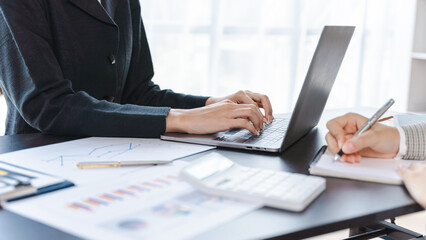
pixel 368 124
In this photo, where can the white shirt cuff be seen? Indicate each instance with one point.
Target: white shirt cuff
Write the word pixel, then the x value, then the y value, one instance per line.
pixel 402 144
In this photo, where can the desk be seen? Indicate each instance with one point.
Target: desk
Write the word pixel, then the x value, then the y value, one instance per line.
pixel 344 204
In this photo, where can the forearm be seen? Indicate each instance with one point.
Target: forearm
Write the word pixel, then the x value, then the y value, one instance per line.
pixel 175 121
pixel 168 98
pixel 83 115
pixel 146 93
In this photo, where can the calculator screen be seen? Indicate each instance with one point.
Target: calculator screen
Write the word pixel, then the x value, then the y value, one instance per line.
pixel 209 167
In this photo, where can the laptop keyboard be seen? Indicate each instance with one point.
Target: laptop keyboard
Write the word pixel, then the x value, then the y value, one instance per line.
pixel 273 132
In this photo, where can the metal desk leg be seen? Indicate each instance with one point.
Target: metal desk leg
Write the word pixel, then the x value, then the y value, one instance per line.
pixel 383 229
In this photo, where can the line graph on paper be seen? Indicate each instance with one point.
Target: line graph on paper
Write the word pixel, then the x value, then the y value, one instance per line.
pixel 108 152
pixel 60 159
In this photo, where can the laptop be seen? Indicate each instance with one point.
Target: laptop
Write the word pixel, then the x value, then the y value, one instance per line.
pixel 284 132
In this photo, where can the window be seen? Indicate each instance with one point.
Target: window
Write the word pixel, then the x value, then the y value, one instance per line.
pixel 215 47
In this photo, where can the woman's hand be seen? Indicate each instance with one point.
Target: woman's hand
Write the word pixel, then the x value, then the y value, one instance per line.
pixel 248 97
pixel 414 179
pixel 379 141
pixel 215 117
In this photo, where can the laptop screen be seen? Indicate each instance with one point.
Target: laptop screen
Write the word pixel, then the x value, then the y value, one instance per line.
pixel 319 80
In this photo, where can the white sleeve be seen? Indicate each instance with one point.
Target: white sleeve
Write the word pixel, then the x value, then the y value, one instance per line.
pixel 402 144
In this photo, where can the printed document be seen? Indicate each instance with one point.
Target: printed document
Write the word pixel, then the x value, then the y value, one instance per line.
pixel 153 205
pixel 60 159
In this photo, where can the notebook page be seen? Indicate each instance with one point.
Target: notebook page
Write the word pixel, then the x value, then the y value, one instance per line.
pixel 369 169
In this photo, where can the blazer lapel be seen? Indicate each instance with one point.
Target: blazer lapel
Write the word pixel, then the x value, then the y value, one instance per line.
pixel 93 8
pixel 111 6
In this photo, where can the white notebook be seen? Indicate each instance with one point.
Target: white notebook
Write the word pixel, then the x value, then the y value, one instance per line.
pixel 369 169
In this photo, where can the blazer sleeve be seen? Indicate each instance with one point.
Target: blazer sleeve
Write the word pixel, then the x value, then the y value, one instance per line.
pixel 139 88
pixel 415 135
pixel 32 79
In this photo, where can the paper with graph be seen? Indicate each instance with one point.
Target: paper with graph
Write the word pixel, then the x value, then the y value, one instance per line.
pixel 156 205
pixel 60 159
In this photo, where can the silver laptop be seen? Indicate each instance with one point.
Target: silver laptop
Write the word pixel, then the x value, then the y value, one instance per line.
pixel 284 132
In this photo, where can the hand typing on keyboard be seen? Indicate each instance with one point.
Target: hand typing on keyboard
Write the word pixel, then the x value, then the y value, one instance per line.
pixel 273 132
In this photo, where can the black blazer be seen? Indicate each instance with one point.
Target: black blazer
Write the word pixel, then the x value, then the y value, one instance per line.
pixel 68 67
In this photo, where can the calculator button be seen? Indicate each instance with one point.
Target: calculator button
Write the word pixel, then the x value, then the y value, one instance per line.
pixel 293 197
pixel 253 171
pixel 243 188
pixel 257 179
pixel 229 185
pixel 275 194
pixel 259 191
pixel 266 173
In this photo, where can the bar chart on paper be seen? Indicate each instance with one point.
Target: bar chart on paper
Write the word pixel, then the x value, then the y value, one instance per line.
pixel 60 159
pixel 139 207
pixel 137 190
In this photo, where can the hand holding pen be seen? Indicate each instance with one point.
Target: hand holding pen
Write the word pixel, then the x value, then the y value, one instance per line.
pixel 345 135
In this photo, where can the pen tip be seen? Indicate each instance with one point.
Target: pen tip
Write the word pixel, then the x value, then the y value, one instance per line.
pixel 336 157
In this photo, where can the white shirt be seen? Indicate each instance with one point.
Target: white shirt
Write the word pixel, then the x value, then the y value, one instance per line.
pixel 402 144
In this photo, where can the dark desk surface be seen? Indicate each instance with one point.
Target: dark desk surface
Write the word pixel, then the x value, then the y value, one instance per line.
pixel 344 204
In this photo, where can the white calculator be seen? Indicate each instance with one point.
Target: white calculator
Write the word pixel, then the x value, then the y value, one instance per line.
pixel 215 174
